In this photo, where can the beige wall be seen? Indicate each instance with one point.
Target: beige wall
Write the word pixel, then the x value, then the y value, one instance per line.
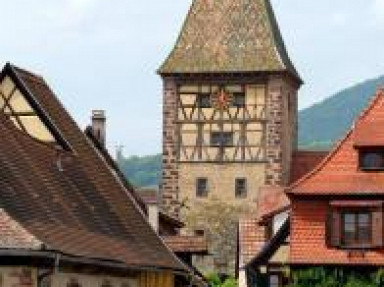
pixel 18 277
pixel 221 180
pixel 62 279
pixel 27 277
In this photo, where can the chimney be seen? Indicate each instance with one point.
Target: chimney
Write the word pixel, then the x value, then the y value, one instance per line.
pixel 153 215
pixel 98 126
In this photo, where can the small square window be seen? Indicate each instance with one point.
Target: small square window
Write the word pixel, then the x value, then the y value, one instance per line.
pixel 202 187
pixel 204 101
pixel 241 188
pixel 239 100
pixel 221 139
pixel 372 159
pixel 274 280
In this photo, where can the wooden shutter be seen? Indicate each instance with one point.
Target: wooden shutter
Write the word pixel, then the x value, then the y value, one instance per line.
pixel 377 227
pixel 333 236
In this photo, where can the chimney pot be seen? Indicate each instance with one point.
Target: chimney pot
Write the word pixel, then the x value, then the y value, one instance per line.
pixel 99 126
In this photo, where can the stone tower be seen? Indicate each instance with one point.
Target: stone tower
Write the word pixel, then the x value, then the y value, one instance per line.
pixel 230 105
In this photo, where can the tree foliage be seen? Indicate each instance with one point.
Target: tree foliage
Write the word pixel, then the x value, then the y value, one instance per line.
pixel 219 219
pixel 141 171
pixel 215 281
pixel 324 123
pixel 321 277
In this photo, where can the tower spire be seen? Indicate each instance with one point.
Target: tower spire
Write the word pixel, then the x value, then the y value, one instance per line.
pixel 229 36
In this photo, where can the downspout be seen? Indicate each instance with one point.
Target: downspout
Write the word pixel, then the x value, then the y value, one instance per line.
pixel 54 270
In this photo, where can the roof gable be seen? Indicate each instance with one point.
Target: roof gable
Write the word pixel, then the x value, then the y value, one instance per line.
pixel 72 200
pixel 20 105
pixel 338 173
pixel 229 36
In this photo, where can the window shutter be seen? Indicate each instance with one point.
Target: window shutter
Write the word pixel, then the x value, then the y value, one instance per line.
pixel 334 229
pixel 377 227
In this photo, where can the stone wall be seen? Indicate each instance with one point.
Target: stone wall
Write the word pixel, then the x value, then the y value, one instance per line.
pixel 170 173
pixel 221 181
pixel 281 130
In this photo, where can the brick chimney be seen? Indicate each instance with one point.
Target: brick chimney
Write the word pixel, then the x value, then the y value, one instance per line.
pixel 98 125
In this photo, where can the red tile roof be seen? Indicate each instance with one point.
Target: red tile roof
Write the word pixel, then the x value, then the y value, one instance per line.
pixel 338 173
pixel 251 239
pixel 72 200
pixel 272 199
pixel 304 162
pixel 187 244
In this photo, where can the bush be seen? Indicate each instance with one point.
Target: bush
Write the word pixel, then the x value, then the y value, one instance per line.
pixel 321 277
pixel 215 281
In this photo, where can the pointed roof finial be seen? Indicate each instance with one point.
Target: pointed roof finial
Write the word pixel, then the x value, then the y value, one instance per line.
pixel 229 36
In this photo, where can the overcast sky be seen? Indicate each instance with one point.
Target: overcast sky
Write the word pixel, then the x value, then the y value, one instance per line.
pixel 104 54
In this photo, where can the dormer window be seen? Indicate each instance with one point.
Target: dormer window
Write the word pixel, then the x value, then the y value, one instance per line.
pixel 372 159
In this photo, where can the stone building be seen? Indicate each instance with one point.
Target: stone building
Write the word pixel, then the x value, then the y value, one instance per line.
pixel 67 217
pixel 230 106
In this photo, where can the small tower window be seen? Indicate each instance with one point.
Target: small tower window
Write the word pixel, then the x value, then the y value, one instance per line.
pixel 202 187
pixel 241 188
pixel 372 159
pixel 239 100
pixel 221 139
pixel 204 101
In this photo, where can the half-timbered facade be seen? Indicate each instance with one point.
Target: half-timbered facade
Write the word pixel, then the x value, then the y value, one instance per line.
pixel 230 105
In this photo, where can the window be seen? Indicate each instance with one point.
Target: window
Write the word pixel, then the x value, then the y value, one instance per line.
pixel 356 228
pixel 204 101
pixel 202 187
pixel 18 109
pixel 221 139
pixel 274 280
pixel 372 159
pixel 73 283
pixel 241 188
pixel 239 100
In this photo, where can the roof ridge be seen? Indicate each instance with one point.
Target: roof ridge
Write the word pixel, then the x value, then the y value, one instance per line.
pixel 336 148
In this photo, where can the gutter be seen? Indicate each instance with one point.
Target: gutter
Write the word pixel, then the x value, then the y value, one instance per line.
pixel 58 258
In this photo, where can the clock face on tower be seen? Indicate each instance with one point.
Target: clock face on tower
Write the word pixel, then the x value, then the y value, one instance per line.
pixel 221 123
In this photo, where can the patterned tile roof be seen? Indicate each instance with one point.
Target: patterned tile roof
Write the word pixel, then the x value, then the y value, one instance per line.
pixel 229 36
pixel 72 200
pixel 338 173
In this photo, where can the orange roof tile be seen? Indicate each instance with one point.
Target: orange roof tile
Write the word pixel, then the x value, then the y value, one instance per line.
pixel 338 173
pixel 304 162
pixel 272 199
pixel 251 239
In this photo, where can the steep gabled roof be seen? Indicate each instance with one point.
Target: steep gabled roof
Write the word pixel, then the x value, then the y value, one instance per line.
pixel 70 199
pixel 338 173
pixel 229 36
